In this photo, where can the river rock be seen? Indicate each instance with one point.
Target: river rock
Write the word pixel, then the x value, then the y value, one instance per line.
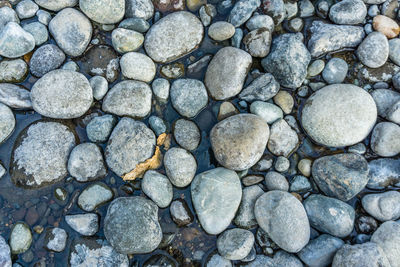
pixel 374 50
pixel 26 9
pixel 367 254
pixel 101 60
pixel 242 11
pixel 7 122
pixel 258 42
pixel 275 9
pixel 56 239
pixel 342 175
pixel 383 172
pixel 387 237
pixel 348 12
pixel 228 62
pixel 95 252
pixel 262 88
pixel 235 244
pixel 320 251
pixel 335 70
pixel 56 5
pixel 15 41
pixel 13 70
pixel 15 96
pixel 340 36
pixel 38 31
pixel 143 9
pixel 339 115
pixel 173 36
pixel 384 100
pixel 186 134
pixel 72 31
pixel 41 154
pixel 5 253
pixel 94 196
pixel 180 166
pixel 269 112
pixel 330 215
pixel 103 11
pixel 216 196
pixel 86 163
pixel 245 217
pixel 99 85
pixel 86 224
pixel 20 238
pixel 221 31
pixel 180 212
pixel 124 40
pixel 276 181
pixel 382 206
pixel 131 225
pixel 239 141
pixel 62 94
pixel 283 139
pixel 45 59
pixel 278 213
pixel 386 25
pixel 288 60
pixel 7 14
pixel 384 139
pixel 99 128
pixel 128 98
pixel 158 188
pixel 130 143
pixel 137 66
pixel 188 96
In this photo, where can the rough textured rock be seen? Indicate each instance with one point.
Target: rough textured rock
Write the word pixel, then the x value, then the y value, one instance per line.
pixel 131 225
pixel 128 98
pixel 330 215
pixel 186 134
pixel 130 143
pixel 269 112
pixel 276 181
pixel 138 66
pixel 5 253
pixel 13 70
pixel 216 196
pixel 72 31
pixel 99 128
pixel 275 9
pixel 383 173
pixel 124 40
pixel 62 94
pixel 384 100
pixel 288 60
pixel 103 11
pixel 180 166
pixel 94 196
pixel 15 41
pixel 239 141
pixel 283 139
pixel 41 154
pixel 15 96
pixel 180 212
pixel 374 50
pixel 339 36
pixel 173 36
pixel 143 9
pixel 242 11
pixel 258 42
pixel 38 31
pixel 278 213
pixel 20 238
pixel 383 206
pixel 86 224
pixel 348 12
pixel 56 239
pixel 387 237
pixel 45 59
pixel 342 175
pixel 262 88
pixel 7 122
pixel 227 72
pixel 7 14
pixel 367 254
pixel 339 115
pixel 235 244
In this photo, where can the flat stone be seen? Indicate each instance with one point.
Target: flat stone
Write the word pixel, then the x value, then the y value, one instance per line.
pixel 56 5
pixel 41 154
pixel 288 60
pixel 339 115
pixel 278 213
pixel 186 134
pixel 100 128
pixel 72 31
pixel 387 237
pixel 276 181
pixel 384 139
pixel 188 97
pixel 383 172
pixel 137 66
pixel 86 163
pixel 94 196
pixel 269 112
pixel 86 224
pixel 45 59
pixel 227 72
pixel 56 239
pixel 15 96
pixel 242 11
pixel 262 88
pixel 283 140
pixel 173 36
pixel 20 238
pixel 382 206
pixel 62 94
pixel 180 166
pixel 216 196
pixel 131 225
pixel 158 188
pixel 330 215
pixel 128 98
pixel 245 217
pixel 342 175
pixel 143 9
pixel 103 11
pixel 15 41
pixel 340 36
pixel 13 71
pixel 348 12
pixel 130 143
pixel 7 122
pixel 367 254
pixel 235 244
pixel 374 50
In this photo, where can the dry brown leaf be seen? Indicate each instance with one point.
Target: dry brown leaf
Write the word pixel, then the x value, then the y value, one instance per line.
pixel 27 57
pixel 161 139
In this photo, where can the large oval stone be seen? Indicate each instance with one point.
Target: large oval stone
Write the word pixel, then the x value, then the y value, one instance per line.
pixel 62 94
pixel 131 225
pixel 339 115
pixel 239 141
pixel 173 36
pixel 216 196
pixel 41 153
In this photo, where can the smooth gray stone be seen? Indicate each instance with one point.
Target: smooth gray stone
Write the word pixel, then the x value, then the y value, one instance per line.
pixel 7 122
pixel 367 254
pixel 15 41
pixel 387 236
pixel 348 12
pixel 382 206
pixel 103 11
pixel 45 59
pixel 242 11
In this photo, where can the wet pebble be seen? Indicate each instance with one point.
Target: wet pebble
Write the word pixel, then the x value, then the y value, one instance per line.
pixel 15 41
pixel 282 139
pixel 38 31
pixel 157 125
pixel 180 166
pixel 7 14
pixel 26 9
pixel 13 70
pixel 387 237
pixel 56 239
pixel 300 184
pixel 269 112
pixel 335 71
pixel 45 59
pixel 367 254
pixel 180 212
pixel 94 196
pixel 374 50
pixel 86 224
pixel 386 25
pixel 135 24
pixel 242 11
pixel 137 66
pixel 221 31
pixel 187 134
pixel 382 206
pixel 276 181
pixel 99 86
pixel 245 217
pixel 260 21
pixel 15 96
pixel 5 253
pixel 56 5
pixel 235 244
pixel 143 9
pixel 262 88
pixel 258 42
pixel 158 188
pixel 124 40
pixel 103 11
pixel 282 164
pixel 383 172
pixel 7 122
pixel 99 128
pixel 20 238
pixel 348 12
pixel 384 139
pixel 275 9
pixel 161 88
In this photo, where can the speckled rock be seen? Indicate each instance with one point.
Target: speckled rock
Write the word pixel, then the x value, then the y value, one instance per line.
pixel 99 85
pixel 275 9
pixel 245 217
pixel 56 5
pixel 188 96
pixel 161 88
pixel 128 98
pixel 226 72
pixel 387 237
pixel 339 36
pixel 367 254
pixel 158 188
pixel 143 9
pixel 7 14
pixel 15 96
pixel 278 213
pixel 180 212
pixel 283 139
pixel 20 238
pixel 86 224
pixel 103 11
pixel 339 115
pixel 276 181
pixel 374 50
pixel 131 225
pixel 383 172
pixel 187 134
pixel 257 42
pixel 239 141
pixel 94 196
pixel 99 128
pixel 130 143
pixel 384 100
pixel 56 239
pixel 242 11
pixel 330 215
pixel 86 163
pixel 26 9
pixel 15 41
pixel 41 154
pixel 173 36
pixel 335 71
pixel 38 31
pixel 124 40
pixel 269 112
pixel 13 70
pixel 7 122
pixel 45 59
pixel 381 74
pixel 62 94
pixel 288 60
pixel 216 196
pixel 5 253
pixel 262 88
pixel 382 206
pixel 386 25
pixel 384 139
pixel 180 166
pixel 260 21
pixel 348 12
pixel 342 175
pixel 72 31
pixel 138 66
pixel 235 244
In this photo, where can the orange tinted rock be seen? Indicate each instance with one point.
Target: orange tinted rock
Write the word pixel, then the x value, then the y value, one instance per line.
pixel 386 25
pixel 169 5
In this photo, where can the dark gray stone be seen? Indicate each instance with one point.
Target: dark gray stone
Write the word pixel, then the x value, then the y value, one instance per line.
pixel 367 254
pixel 45 59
